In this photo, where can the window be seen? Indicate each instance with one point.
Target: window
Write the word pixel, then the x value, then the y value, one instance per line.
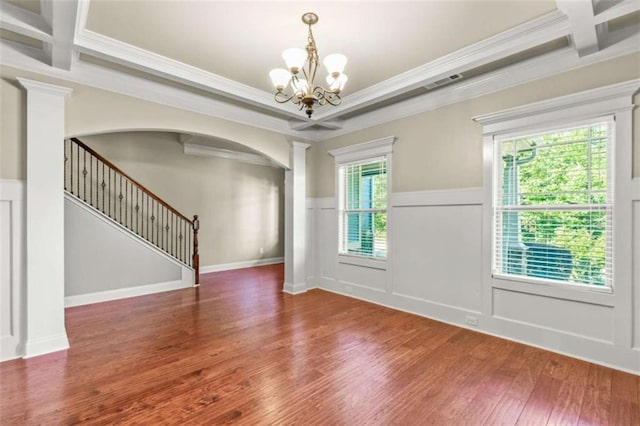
pixel 553 204
pixel 363 208
pixel 363 179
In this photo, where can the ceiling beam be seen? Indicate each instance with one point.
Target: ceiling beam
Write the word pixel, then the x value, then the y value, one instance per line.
pixel 61 16
pixel 24 22
pixel 302 125
pixel 620 9
pixel 583 27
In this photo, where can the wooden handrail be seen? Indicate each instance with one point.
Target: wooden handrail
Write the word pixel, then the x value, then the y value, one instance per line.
pixel 142 187
pixel 136 208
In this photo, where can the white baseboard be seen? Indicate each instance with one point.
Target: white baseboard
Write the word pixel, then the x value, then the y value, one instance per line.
pixel 240 265
pixel 294 288
pixel 123 293
pixel 45 345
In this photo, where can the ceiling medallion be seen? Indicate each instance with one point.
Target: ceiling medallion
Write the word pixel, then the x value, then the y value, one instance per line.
pixel 303 64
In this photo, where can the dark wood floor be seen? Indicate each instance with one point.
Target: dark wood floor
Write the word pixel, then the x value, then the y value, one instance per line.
pixel 241 351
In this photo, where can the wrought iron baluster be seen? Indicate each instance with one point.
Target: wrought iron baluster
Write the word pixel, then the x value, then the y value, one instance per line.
pixel 84 175
pixel 109 192
pixel 78 170
pixel 90 176
pixel 137 209
pixel 97 183
pixel 162 228
pixel 147 217
pixel 120 197
pixel 64 150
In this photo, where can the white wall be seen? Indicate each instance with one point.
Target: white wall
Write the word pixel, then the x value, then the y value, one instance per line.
pixel 102 257
pixel 12 200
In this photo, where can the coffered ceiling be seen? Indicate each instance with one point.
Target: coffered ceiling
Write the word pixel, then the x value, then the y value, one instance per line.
pixel 213 57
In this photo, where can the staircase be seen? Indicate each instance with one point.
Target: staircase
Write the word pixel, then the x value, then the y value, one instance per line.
pixel 96 181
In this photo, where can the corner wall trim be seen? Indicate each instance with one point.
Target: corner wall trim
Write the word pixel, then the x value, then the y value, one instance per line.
pixel 123 293
pixel 240 265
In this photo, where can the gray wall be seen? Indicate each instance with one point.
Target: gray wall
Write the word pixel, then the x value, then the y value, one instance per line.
pixel 240 206
pixel 99 256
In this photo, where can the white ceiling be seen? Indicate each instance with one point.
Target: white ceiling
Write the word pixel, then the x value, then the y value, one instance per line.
pixel 244 40
pixel 213 57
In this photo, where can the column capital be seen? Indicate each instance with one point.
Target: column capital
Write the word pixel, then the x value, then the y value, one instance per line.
pixel 37 86
pixel 302 145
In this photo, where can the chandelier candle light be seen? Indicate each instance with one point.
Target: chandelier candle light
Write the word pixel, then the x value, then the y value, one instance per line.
pixel 303 64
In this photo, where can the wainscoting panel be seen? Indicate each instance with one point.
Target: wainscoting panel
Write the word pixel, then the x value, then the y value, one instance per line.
pixel 437 254
pixel 327 243
pixel 11 268
pixel 582 319
pixel 437 269
pixel 361 276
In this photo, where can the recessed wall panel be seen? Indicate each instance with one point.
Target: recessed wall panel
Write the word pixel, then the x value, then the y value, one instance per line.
pixel 437 253
pixel 584 319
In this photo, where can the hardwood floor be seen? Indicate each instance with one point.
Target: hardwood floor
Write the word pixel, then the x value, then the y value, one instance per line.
pixel 239 350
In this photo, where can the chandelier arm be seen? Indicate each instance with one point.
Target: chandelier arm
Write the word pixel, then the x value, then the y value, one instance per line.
pixel 282 98
pixel 327 96
pixel 308 95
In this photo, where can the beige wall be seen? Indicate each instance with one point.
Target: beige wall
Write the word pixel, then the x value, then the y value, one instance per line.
pixel 12 131
pixel 92 111
pixel 240 205
pixel 442 148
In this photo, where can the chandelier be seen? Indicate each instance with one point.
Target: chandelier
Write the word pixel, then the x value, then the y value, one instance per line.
pixel 303 64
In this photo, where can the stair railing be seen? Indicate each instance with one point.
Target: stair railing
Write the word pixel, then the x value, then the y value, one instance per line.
pixel 98 182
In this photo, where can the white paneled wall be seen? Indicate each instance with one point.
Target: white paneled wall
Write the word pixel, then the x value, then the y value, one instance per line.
pixel 446 272
pixel 11 267
pixel 436 270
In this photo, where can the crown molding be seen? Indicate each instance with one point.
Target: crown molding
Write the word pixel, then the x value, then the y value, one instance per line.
pixel 227 154
pixel 530 34
pixel 109 49
pixel 25 22
pixel 33 60
pixel 527 71
pixel 589 103
pixel 616 11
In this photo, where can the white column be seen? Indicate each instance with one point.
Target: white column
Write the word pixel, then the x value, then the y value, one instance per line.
pixel 45 331
pixel 295 214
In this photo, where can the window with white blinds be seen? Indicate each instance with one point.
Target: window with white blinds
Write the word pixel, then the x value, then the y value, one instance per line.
pixel 553 204
pixel 363 208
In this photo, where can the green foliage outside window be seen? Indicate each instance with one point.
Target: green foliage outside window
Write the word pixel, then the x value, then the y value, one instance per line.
pixel 569 169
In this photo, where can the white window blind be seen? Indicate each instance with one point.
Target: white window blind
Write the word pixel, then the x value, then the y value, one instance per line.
pixel 553 205
pixel 363 208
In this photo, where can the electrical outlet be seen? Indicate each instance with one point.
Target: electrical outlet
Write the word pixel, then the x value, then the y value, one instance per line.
pixel 261 250
pixel 471 320
pixel 348 289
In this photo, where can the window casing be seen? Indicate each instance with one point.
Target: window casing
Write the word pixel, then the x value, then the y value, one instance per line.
pixel 363 208
pixel 553 204
pixel 363 181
